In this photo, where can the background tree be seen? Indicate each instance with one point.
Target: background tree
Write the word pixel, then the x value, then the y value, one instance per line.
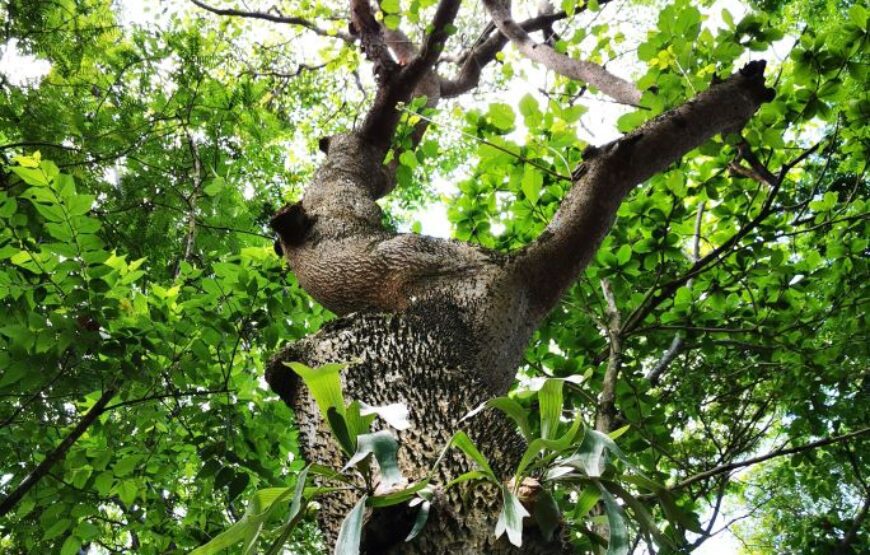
pixel 722 318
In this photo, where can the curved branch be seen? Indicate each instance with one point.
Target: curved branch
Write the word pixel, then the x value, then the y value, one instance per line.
pixel 274 18
pixel 551 264
pixel 615 87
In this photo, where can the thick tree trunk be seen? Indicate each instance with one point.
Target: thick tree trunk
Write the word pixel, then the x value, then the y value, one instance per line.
pixel 422 358
pixel 440 325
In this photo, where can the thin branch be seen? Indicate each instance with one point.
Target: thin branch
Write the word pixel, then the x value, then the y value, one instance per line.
pixel 275 18
pixel 172 395
pixel 484 52
pixel 773 454
pixel 57 455
pixel 676 346
pixel 396 84
pixel 606 400
pixel 716 254
pixel 615 87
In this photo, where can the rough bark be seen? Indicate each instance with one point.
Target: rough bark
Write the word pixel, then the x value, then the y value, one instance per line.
pixel 422 358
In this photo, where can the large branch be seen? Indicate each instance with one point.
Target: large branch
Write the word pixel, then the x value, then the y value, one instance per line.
pixel 615 87
pixel 397 83
pixel 552 263
pixel 484 52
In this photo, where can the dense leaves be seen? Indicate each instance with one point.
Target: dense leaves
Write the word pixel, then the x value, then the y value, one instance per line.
pixel 140 298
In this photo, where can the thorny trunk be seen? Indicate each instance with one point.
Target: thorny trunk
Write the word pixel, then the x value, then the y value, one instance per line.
pixel 422 358
pixel 441 325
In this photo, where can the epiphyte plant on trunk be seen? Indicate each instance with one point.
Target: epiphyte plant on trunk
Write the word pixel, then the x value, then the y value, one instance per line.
pixel 441 325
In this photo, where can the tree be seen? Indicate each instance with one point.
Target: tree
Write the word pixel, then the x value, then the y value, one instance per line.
pixel 722 310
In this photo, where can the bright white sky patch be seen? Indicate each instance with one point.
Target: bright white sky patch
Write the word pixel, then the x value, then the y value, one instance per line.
pixel 21 69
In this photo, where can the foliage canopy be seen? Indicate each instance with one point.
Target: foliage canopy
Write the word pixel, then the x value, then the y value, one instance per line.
pixel 140 298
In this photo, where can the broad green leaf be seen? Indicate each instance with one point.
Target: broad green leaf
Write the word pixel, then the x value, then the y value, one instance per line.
pixel 384 447
pixel 554 445
pixel 547 515
pixel 510 519
pixel 617 542
pixel 419 521
pixel 641 514
pixel 550 400
pixel 324 383
pixel 515 411
pixel 350 533
pixel 339 429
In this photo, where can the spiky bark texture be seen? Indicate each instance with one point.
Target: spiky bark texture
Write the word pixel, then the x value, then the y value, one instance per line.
pixel 441 325
pixel 419 358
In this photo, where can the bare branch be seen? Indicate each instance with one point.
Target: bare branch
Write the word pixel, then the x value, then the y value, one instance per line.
pixel 551 264
pixel 275 18
pixel 773 454
pixel 397 83
pixel 615 87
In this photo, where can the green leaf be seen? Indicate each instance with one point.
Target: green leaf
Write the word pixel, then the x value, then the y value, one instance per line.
pixel 339 429
pixel 80 204
pixel 419 521
pixel 550 400
pixel 586 501
pixel 641 514
pixel 510 519
pixel 390 6
pixel 514 410
pixel 31 176
pixel 71 546
pixel 623 255
pixel 617 543
pixel 531 183
pixel 127 491
pixel 324 383
pixel 397 496
pixel 215 186
pixel 126 465
pixel 501 115
pixel 546 514
pixel 384 447
pixel 461 441
pixel 554 445
pixel 297 503
pixel 351 530
pixel 56 529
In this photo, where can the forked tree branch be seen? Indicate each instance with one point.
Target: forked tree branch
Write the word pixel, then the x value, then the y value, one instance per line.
pixel 57 455
pixel 589 72
pixel 397 83
pixel 484 52
pixel 550 265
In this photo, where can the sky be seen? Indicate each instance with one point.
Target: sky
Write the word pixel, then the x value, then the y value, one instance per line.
pixel 597 125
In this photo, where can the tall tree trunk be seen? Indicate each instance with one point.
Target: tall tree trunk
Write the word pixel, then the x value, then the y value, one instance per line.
pixel 423 358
